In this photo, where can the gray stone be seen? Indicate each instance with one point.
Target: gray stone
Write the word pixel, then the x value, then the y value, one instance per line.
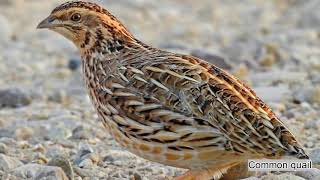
pixel 313 174
pixel 315 156
pixel 64 163
pixel 5 30
pixel 14 98
pixel 7 163
pixel 285 176
pixel 81 133
pixel 56 151
pixel 40 172
pixel 84 153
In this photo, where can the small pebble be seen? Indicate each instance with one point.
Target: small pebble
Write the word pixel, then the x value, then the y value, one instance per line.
pixel 80 133
pixel 63 162
pixel 40 158
pixel 23 144
pixel 267 60
pixel 83 153
pixel 74 64
pixel 137 176
pixel 1 123
pixel 59 96
pixel 3 148
pixel 39 148
pixel 269 55
pixel 109 159
pixel 241 71
pixel 86 163
pixel 24 133
pixel 14 98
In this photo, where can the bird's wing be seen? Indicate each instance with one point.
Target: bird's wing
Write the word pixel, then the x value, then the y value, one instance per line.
pixel 194 104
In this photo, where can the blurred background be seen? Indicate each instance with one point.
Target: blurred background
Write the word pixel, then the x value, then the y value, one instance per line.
pixel 45 113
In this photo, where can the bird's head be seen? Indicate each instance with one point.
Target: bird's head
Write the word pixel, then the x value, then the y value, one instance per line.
pixel 86 24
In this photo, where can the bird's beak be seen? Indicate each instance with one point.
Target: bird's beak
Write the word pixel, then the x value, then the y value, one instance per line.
pixel 48 23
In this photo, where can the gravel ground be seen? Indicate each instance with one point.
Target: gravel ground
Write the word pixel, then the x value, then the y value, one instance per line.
pixel 48 128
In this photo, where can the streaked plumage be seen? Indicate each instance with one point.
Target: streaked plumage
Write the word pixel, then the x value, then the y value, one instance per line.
pixel 170 108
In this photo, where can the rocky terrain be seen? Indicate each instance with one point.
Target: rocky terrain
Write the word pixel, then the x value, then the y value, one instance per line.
pixel 49 130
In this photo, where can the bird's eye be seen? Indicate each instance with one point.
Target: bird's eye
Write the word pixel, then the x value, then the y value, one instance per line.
pixel 76 17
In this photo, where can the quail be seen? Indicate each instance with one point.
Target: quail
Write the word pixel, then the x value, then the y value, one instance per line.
pixel 170 108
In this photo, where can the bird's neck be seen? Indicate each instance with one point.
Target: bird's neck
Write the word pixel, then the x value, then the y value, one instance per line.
pixel 114 53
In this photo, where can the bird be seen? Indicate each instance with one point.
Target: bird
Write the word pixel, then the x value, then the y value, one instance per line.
pixel 170 108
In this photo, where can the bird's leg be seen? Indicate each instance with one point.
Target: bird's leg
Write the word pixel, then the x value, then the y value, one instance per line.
pixel 214 172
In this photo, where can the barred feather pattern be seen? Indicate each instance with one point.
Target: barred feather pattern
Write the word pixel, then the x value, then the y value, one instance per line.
pixel 180 110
